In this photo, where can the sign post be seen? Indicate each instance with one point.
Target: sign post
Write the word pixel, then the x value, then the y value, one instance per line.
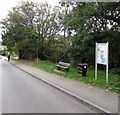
pixel 101 57
pixel 96 63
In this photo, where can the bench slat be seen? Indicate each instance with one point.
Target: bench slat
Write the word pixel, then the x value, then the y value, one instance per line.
pixel 64 64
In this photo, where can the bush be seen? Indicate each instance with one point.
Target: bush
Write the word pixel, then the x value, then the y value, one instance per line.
pixel 115 71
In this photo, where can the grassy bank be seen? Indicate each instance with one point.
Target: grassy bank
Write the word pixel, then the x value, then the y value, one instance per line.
pixel 112 85
pixel 72 74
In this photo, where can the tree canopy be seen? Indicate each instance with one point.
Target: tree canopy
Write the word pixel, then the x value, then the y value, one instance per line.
pixel 32 27
pixel 89 23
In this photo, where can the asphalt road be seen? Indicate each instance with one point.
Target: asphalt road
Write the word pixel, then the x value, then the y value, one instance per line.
pixel 22 93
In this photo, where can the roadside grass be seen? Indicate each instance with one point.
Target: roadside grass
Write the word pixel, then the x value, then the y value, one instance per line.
pixel 113 84
pixel 27 62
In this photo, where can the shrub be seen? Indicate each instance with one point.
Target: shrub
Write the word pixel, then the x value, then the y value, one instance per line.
pixel 115 71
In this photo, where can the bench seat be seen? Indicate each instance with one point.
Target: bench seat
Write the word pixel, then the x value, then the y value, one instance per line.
pixel 63 65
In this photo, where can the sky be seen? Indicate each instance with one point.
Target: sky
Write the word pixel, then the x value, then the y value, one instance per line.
pixel 6 5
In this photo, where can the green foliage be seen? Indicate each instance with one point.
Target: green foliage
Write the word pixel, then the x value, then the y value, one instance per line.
pixel 4 51
pixel 89 23
pixel 58 49
pixel 115 71
pixel 32 28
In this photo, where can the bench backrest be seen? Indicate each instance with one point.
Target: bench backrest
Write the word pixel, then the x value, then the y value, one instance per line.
pixel 64 64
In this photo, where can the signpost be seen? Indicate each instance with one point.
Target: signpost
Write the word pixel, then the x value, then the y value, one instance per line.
pixel 101 57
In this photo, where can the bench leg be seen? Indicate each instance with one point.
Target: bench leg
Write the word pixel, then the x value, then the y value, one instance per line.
pixel 67 70
pixel 59 68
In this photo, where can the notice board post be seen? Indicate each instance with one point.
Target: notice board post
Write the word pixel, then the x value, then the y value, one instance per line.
pixel 101 57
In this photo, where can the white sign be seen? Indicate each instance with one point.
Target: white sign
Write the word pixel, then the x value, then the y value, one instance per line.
pixel 101 57
pixel 102 53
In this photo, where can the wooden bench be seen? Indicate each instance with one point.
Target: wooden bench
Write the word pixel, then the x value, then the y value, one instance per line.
pixel 63 65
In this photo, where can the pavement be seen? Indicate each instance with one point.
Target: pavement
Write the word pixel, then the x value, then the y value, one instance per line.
pixel 96 98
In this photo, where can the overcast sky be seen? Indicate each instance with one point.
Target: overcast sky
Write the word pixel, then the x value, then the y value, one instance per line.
pixel 6 5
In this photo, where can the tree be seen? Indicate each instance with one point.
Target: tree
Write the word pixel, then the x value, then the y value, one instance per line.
pixel 32 28
pixel 89 23
pixel 48 26
pixel 19 28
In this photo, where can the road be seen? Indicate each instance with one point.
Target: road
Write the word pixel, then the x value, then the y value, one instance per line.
pixel 22 93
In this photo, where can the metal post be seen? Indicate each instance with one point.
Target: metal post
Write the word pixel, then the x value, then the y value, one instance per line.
pixel 96 63
pixel 107 64
pixel 106 73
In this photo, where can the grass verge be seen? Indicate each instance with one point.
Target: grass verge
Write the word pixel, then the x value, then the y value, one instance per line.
pixel 113 84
